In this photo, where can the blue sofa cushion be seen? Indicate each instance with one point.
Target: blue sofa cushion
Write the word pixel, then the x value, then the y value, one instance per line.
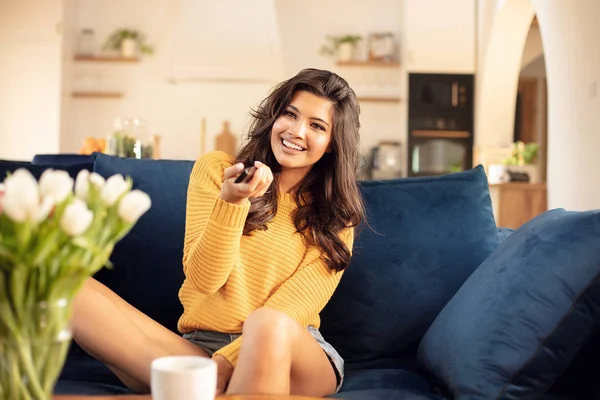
pixel 399 383
pixel 78 387
pixel 518 321
pixel 147 264
pixel 37 170
pixel 401 376
pixel 580 380
pixel 428 235
pixel 63 159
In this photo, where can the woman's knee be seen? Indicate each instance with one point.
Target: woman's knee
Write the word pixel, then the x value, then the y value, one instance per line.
pixel 270 326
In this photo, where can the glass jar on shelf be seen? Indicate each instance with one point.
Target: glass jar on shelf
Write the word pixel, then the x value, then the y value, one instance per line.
pixel 130 139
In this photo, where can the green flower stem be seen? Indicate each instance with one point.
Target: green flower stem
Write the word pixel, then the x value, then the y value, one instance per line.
pixel 57 354
pixel 29 369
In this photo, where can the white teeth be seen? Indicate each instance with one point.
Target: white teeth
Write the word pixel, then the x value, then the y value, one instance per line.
pixel 292 145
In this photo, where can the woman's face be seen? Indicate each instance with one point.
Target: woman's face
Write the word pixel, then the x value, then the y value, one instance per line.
pixel 302 133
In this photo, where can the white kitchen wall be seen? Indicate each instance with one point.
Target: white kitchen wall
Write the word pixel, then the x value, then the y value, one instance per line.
pixel 440 36
pixel 304 26
pixel 30 71
pixel 172 110
pixel 297 29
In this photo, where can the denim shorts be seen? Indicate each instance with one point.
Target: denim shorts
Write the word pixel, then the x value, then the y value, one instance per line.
pixel 211 341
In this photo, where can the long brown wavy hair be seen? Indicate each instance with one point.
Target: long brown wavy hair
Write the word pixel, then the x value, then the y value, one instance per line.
pixel 328 198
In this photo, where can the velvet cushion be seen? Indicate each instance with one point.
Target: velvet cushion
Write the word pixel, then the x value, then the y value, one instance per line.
pixel 90 388
pixel 397 382
pixel 519 320
pixel 147 264
pixel 63 159
pixel 580 380
pixel 428 235
pixel 395 374
pixel 7 166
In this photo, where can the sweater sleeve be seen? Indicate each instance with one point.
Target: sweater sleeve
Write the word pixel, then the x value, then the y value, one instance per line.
pixel 303 295
pixel 213 227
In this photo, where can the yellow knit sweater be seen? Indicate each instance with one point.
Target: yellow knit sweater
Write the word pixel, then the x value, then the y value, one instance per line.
pixel 229 275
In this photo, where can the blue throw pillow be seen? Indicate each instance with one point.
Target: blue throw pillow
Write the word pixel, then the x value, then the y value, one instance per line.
pixel 428 235
pixel 148 270
pixel 518 321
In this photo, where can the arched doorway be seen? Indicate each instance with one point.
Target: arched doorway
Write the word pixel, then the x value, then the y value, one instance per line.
pixel 498 72
pixel 531 102
pixel 572 59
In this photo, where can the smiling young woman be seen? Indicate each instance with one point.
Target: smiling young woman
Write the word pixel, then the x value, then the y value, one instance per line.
pixel 261 258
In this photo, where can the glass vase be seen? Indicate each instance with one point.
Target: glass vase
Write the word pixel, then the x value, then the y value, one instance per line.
pixel 33 345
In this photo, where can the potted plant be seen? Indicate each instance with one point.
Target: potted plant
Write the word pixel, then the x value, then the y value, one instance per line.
pixel 342 46
pixel 523 159
pixel 128 42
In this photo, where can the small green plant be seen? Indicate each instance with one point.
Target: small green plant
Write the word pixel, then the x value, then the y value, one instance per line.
pixel 115 41
pixel 334 42
pixel 523 154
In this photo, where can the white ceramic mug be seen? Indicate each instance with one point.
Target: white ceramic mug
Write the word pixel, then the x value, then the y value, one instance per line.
pixel 183 378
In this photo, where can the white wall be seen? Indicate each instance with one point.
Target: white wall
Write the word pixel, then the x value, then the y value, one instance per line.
pixel 440 35
pixel 569 31
pixel 301 45
pixel 30 77
pixel 172 110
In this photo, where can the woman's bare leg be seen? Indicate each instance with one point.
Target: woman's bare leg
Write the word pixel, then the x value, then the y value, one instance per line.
pixel 125 339
pixel 278 356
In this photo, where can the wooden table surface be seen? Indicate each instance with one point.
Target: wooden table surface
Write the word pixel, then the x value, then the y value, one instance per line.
pixel 148 397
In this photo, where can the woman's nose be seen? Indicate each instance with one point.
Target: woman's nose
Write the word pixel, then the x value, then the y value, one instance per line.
pixel 298 129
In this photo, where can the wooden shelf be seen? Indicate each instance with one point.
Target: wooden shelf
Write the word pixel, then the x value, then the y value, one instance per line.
pixel 370 99
pixel 385 64
pixel 441 134
pixel 117 59
pixel 98 95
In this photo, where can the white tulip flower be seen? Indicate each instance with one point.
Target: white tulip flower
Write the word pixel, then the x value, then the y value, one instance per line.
pixel 44 210
pixel 76 218
pixel 133 205
pixel 2 188
pixel 82 184
pixel 115 186
pixel 21 199
pixel 56 185
pixel 97 180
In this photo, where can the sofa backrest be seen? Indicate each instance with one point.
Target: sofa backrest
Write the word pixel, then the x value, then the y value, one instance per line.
pixel 426 237
pixel 36 170
pixel 147 264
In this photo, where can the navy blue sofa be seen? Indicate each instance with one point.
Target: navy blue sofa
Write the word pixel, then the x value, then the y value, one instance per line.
pixel 427 239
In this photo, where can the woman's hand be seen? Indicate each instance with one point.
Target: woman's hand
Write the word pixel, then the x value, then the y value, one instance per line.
pixel 224 372
pixel 238 193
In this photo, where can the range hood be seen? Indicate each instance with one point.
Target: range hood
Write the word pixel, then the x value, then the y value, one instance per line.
pixel 226 41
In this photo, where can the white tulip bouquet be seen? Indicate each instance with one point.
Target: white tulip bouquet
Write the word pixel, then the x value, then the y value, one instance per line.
pixel 53 235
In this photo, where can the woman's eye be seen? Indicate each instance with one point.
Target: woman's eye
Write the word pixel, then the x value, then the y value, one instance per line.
pixel 290 114
pixel 320 127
